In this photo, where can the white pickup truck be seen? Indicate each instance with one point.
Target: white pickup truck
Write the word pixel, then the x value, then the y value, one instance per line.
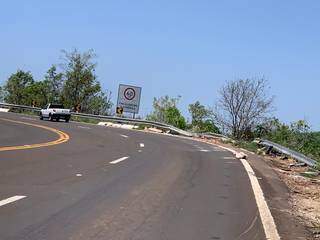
pixel 55 111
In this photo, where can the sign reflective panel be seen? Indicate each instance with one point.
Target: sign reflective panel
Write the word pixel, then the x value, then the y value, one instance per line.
pixel 129 98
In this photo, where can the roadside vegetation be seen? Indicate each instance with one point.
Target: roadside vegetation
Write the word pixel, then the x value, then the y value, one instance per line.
pixel 76 86
pixel 296 136
pixel 243 110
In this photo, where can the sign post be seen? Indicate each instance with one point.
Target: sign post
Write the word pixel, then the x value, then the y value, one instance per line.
pixel 129 98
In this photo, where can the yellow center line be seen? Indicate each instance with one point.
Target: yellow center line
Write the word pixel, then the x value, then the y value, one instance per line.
pixel 63 137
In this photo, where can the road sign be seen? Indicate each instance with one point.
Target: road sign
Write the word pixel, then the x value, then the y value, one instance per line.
pixel 129 98
pixel 119 110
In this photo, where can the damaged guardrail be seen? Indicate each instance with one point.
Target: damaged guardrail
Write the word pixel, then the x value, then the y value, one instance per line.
pixel 162 126
pixel 286 151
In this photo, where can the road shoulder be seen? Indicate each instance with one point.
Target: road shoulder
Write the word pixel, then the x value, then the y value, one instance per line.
pixel 277 196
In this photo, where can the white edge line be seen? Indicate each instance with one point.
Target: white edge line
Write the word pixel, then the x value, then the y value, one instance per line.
pixel 119 160
pixel 268 223
pixel 11 200
pixel 267 220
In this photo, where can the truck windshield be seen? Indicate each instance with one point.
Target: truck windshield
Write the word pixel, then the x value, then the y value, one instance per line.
pixel 56 106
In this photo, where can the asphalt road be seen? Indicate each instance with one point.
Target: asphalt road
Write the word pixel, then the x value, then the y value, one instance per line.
pixel 107 183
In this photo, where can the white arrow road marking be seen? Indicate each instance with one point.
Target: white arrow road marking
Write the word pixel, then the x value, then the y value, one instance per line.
pixel 119 160
pixel 142 145
pixel 11 200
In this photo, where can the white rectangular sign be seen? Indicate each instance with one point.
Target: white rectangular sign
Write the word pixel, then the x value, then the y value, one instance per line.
pixel 129 98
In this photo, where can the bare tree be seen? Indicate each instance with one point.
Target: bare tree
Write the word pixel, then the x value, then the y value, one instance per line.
pixel 242 105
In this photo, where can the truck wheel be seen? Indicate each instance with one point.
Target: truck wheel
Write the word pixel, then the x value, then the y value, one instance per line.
pixel 40 116
pixel 50 117
pixel 57 119
pixel 67 120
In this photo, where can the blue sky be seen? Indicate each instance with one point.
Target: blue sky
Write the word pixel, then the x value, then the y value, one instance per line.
pixel 175 47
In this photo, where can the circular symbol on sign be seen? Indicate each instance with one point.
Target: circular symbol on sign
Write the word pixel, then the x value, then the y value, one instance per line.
pixel 129 94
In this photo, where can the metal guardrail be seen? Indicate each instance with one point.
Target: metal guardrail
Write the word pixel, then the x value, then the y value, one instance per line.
pixel 163 126
pixel 136 121
pixel 295 155
pixel 214 136
pixel 15 106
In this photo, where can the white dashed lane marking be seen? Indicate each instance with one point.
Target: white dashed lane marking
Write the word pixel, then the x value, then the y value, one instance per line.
pixel 122 135
pixel 228 158
pixel 28 118
pixel 119 160
pixel 142 145
pixel 204 150
pixel 83 127
pixel 11 200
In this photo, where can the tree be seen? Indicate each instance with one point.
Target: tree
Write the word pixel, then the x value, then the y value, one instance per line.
pixel 100 103
pixel 166 111
pixel 37 94
pixel 16 88
pixel 160 106
pixel 297 136
pixel 81 83
pixel 173 117
pixel 243 104
pixel 201 118
pixel 77 85
pixel 208 126
pixel 2 94
pixel 53 85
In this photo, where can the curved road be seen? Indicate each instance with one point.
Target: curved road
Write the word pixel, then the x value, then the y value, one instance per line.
pixel 107 183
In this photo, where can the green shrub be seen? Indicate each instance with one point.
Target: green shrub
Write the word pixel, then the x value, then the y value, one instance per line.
pixel 296 136
pixel 250 146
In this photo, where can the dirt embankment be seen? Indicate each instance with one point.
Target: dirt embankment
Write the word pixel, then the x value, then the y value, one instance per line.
pixel 305 192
